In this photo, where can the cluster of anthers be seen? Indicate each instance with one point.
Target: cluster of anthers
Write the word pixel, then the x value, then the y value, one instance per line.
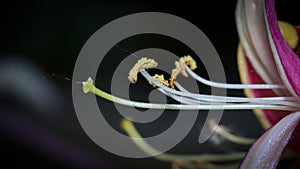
pixel 194 101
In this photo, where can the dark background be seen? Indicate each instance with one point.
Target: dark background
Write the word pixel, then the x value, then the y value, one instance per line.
pixel 40 42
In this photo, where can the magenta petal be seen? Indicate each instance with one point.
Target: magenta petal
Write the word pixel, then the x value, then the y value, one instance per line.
pixel 286 59
pixel 267 150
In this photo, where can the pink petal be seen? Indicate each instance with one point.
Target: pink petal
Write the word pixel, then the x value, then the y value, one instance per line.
pixel 286 59
pixel 267 150
pixel 271 116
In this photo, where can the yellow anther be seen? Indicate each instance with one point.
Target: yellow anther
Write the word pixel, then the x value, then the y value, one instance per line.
pixel 161 79
pixel 143 63
pixel 289 33
pixel 189 61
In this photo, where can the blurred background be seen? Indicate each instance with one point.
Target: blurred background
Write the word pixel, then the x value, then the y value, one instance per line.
pixel 40 44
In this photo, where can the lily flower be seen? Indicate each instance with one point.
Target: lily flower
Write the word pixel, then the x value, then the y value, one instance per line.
pixel 269 69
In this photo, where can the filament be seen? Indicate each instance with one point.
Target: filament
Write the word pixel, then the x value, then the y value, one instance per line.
pixel 222 99
pixel 232 86
pixel 288 101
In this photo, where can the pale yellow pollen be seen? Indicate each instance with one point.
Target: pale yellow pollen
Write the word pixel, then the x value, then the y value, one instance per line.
pixel 189 61
pixel 143 63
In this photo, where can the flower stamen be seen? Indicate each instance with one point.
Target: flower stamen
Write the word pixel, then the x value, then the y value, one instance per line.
pixel 192 101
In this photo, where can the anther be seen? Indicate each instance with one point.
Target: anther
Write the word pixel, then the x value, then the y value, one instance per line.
pixel 161 79
pixel 143 63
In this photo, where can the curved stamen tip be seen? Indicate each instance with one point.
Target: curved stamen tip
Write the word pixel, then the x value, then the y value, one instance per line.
pixel 189 61
pixel 185 60
pixel 143 63
pixel 88 85
pixel 180 68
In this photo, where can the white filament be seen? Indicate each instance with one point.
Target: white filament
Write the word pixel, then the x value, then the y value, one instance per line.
pixel 231 86
pixel 189 98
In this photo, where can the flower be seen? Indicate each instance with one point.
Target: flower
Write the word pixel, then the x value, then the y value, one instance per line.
pixel 268 68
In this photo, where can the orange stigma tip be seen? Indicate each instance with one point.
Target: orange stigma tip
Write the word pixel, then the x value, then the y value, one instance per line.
pixel 171 83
